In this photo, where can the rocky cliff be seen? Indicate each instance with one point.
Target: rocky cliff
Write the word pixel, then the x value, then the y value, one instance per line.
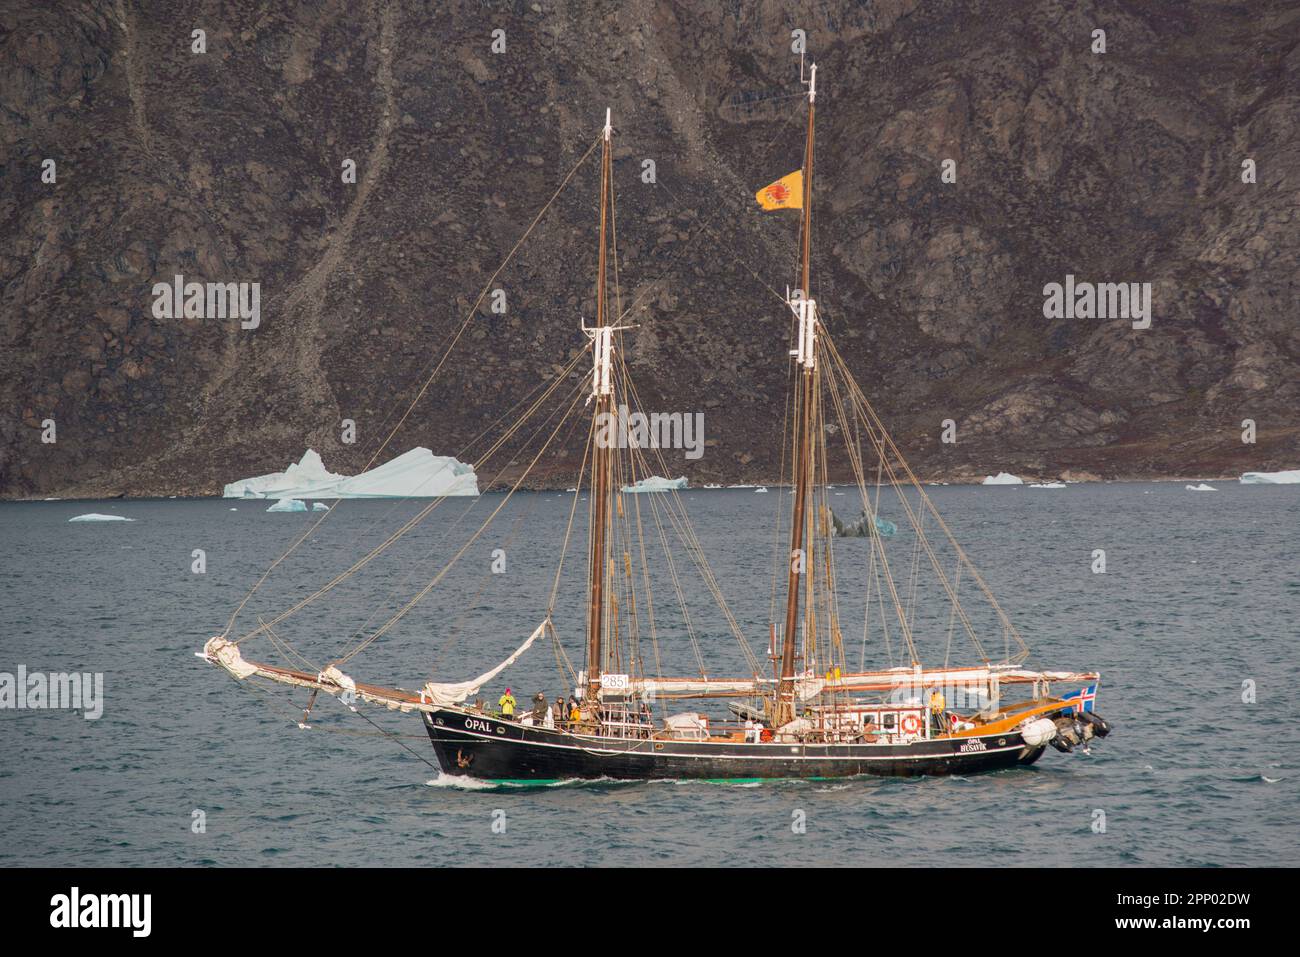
pixel 228 165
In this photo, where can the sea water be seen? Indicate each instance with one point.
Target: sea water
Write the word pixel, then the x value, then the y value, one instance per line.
pixel 1193 625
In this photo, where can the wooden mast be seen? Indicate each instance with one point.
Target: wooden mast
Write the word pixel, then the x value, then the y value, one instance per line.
pixel 602 391
pixel 806 310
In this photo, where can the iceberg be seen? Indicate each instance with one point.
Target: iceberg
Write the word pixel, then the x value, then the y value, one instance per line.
pixel 1200 488
pixel 319 507
pixel 97 517
pixel 288 505
pixel 414 474
pixel 1002 478
pixel 310 471
pixel 656 484
pixel 862 528
pixel 1047 485
pixel 1291 477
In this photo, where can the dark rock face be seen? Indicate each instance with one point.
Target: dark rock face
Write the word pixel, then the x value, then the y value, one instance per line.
pixel 226 166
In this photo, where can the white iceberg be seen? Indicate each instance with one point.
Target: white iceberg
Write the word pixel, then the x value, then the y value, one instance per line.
pixel 1291 477
pixel 310 471
pixel 319 507
pixel 414 474
pixel 288 505
pixel 1200 488
pixel 1002 478
pixel 761 488
pixel 656 484
pixel 1047 485
pixel 97 517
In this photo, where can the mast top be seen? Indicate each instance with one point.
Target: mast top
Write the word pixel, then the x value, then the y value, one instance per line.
pixel 607 126
pixel 812 83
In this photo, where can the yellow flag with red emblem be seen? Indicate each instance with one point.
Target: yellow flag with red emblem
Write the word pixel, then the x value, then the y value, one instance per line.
pixel 785 193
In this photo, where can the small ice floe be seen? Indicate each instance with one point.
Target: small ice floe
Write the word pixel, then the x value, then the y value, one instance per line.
pixel 319 507
pixel 761 488
pixel 234 510
pixel 657 484
pixel 1047 485
pixel 1002 478
pixel 288 505
pixel 1291 477
pixel 1201 488
pixel 97 517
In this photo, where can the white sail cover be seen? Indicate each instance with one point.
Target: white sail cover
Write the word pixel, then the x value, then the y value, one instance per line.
pixel 649 687
pixel 449 693
pixel 226 654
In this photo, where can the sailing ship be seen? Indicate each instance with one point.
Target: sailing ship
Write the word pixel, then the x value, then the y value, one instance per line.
pixel 802 712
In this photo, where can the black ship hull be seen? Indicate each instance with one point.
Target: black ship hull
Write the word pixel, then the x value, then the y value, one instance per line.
pixel 492 749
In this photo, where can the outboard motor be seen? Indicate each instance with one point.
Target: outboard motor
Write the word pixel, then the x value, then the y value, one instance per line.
pixel 1068 731
pixel 1098 724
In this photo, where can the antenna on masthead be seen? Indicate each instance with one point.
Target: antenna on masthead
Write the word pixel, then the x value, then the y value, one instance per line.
pixel 607 126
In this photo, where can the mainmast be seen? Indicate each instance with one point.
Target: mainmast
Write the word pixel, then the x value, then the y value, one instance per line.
pixel 805 353
pixel 602 390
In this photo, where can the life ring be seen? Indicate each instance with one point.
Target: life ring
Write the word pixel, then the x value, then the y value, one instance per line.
pixel 911 724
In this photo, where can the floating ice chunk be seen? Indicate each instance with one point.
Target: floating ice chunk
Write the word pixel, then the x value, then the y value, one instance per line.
pixel 97 517
pixel 761 488
pixel 414 474
pixel 319 507
pixel 1002 478
pixel 1291 477
pixel 1200 488
pixel 656 484
pixel 1047 485
pixel 288 505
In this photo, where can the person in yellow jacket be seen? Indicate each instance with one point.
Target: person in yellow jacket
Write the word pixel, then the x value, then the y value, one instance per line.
pixel 937 705
pixel 507 705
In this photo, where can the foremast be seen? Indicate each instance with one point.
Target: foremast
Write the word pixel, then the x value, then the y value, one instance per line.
pixel 602 393
pixel 805 353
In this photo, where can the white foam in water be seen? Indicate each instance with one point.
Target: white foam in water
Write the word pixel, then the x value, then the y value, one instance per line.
pixel 97 517
pixel 444 780
pixel 1290 477
pixel 414 474
pixel 1002 478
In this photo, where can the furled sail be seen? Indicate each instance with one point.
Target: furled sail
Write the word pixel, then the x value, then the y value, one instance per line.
pixel 671 687
pixel 447 693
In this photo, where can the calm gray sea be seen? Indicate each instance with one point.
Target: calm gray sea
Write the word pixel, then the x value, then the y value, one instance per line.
pixel 1201 595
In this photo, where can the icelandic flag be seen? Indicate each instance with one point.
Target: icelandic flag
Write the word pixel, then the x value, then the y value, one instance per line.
pixel 1084 700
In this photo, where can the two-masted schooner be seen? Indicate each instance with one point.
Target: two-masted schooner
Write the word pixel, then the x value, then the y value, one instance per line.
pixel 800 711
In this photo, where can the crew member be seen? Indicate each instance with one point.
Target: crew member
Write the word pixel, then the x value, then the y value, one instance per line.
pixel 507 705
pixel 561 712
pixel 937 704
